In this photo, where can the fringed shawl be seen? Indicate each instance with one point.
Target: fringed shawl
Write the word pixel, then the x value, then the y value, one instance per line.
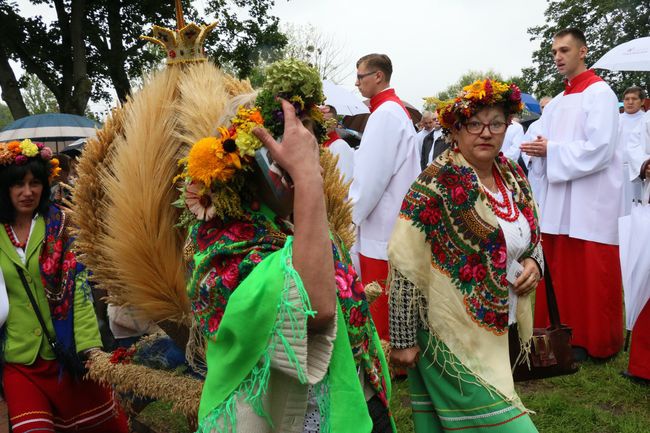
pixel 448 243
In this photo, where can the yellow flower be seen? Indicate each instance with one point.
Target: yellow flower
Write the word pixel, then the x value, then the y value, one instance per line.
pixel 476 90
pixel 499 87
pixel 28 148
pixel 247 143
pixel 202 161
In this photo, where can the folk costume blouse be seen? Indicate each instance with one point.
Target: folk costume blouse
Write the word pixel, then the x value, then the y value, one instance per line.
pixel 450 250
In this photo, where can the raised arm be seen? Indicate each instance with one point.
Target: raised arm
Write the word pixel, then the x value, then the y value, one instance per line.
pixel 312 248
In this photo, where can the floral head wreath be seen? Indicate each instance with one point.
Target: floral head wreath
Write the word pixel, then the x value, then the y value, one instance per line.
pixel 476 96
pixel 214 171
pixel 21 152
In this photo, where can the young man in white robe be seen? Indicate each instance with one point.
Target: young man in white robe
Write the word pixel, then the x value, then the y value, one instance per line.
pixel 628 121
pixel 577 170
pixel 385 165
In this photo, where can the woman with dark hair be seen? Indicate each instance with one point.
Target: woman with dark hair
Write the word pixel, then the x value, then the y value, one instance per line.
pixel 51 325
pixel 465 255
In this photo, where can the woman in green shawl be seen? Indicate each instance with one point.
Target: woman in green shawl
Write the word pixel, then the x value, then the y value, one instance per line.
pixel 290 344
pixel 464 256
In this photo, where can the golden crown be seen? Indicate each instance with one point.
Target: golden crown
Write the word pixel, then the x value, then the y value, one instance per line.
pixel 183 45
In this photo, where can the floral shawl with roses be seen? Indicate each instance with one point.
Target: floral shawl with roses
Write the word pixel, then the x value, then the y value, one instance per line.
pixel 59 270
pixel 227 252
pixel 448 244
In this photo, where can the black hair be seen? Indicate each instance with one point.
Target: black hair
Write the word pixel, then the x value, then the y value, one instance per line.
pixel 575 33
pixel 11 175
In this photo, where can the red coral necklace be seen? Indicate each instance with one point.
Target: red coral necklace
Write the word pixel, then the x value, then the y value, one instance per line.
pixel 15 242
pixel 511 211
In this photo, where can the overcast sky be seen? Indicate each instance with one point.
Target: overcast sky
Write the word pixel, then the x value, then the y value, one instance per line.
pixel 430 42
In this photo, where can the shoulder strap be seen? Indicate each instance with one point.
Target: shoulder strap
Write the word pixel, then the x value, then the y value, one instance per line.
pixel 551 300
pixel 32 301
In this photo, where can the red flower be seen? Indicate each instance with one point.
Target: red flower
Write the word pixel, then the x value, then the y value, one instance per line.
pixel 70 262
pixel 499 257
pixel 49 266
pixel 357 319
pixel 228 270
pixel 479 272
pixel 502 320
pixel 449 179
pixel 344 282
pixel 430 216
pixel 240 231
pixel 459 195
pixel 490 317
pixel 442 257
pixel 474 259
pixel 465 273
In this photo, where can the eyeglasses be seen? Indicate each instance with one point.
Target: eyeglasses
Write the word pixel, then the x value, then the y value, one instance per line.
pixel 495 127
pixel 362 76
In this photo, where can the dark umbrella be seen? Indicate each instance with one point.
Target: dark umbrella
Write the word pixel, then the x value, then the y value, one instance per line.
pixel 53 129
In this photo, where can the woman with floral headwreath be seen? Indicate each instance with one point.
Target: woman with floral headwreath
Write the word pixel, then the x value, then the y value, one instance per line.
pixel 464 257
pixel 36 259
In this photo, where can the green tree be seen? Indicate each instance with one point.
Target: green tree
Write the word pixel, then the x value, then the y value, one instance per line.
pixel 94 44
pixel 5 116
pixel 38 98
pixel 606 24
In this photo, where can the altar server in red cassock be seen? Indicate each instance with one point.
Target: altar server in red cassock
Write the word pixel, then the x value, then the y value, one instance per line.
pixel 577 168
pixel 385 165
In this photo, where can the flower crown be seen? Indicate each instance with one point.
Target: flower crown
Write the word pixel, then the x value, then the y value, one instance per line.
pixel 476 96
pixel 214 170
pixel 19 153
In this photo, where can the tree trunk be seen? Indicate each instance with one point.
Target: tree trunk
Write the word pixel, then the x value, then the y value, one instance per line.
pixel 10 89
pixel 117 53
pixel 82 85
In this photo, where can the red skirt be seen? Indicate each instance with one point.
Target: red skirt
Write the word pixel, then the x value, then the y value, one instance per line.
pixel 640 347
pixel 589 291
pixel 377 270
pixel 38 400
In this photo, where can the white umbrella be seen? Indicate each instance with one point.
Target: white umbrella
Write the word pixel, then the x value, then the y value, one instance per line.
pixel 634 236
pixel 345 102
pixel 633 55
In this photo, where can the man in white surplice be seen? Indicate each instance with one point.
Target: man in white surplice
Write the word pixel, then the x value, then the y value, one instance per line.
pixel 577 170
pixel 629 120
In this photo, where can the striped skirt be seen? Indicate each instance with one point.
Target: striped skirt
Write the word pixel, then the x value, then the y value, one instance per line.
pixel 38 400
pixel 443 402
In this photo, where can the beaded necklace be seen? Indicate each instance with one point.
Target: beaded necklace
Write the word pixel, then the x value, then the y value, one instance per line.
pixel 12 237
pixel 510 211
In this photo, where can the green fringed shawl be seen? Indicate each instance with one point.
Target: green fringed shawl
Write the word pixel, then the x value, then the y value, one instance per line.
pixel 239 358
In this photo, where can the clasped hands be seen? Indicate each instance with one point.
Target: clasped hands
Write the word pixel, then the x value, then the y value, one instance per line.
pixel 536 147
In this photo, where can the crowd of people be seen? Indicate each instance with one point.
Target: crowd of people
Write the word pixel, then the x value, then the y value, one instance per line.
pixel 456 223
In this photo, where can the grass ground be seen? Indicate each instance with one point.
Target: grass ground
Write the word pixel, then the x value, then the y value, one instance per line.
pixel 594 400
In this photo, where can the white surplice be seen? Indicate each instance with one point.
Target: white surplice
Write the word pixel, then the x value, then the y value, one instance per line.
pixel 511 141
pixel 579 183
pixel 385 165
pixel 627 124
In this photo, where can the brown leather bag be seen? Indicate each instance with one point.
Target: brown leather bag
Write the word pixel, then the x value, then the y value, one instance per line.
pixel 551 353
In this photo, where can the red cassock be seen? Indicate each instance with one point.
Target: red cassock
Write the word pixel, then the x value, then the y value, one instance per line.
pixel 640 347
pixel 588 286
pixel 377 270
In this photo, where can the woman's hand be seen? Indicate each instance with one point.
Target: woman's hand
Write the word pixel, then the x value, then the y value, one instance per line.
pixel 405 358
pixel 298 151
pixel 530 276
